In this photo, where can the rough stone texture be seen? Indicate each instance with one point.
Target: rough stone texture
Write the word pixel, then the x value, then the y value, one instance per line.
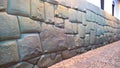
pixel 68 54
pixel 70 28
pixel 59 22
pixel 37 10
pixel 46 61
pixel 92 37
pixel 53 39
pixel 23 65
pixel 66 3
pixel 78 41
pixel 19 7
pixel 70 42
pixel 61 11
pixel 28 26
pixel 33 60
pixel 29 46
pixel 3 5
pixel 52 2
pixel 11 30
pixel 87 40
pixel 81 30
pixel 8 52
pixel 49 12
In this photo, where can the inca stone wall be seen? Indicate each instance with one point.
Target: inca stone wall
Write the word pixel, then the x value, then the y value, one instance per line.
pixel 38 34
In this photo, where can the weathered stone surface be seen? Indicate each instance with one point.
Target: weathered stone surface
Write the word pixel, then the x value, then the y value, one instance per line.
pixel 84 22
pixel 81 30
pixel 8 52
pixel 66 3
pixel 33 60
pixel 92 36
pixel 29 46
pixel 70 28
pixel 73 15
pixel 9 28
pixel 46 61
pixel 3 4
pixel 19 7
pixel 87 40
pixel 59 22
pixel 36 66
pixel 89 16
pixel 37 10
pixel 70 42
pixel 53 39
pixel 78 41
pixel 28 26
pixel 49 12
pixel 23 65
pixel 68 54
pixel 61 11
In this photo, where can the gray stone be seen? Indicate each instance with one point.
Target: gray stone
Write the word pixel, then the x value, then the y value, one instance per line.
pixel 89 16
pixel 3 4
pixel 37 10
pixel 19 7
pixel 52 2
pixel 28 26
pixel 73 15
pixel 46 61
pixel 49 12
pixel 9 28
pixel 70 42
pixel 92 36
pixel 78 41
pixel 81 30
pixel 8 52
pixel 23 65
pixel 61 11
pixel 33 60
pixel 53 39
pixel 87 40
pixel 84 22
pixel 68 54
pixel 59 22
pixel 66 3
pixel 29 46
pixel 70 28
pixel 36 66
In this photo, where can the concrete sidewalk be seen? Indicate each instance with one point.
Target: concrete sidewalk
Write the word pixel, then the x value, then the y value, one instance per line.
pixel 103 57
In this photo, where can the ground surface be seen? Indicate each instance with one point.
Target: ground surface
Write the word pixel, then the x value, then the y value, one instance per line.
pixel 103 57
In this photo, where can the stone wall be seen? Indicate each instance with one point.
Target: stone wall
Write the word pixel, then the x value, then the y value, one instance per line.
pixel 38 34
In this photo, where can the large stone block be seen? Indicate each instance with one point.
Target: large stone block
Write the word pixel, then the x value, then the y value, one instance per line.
pixel 89 15
pixel 23 65
pixel 59 22
pixel 92 36
pixel 84 22
pixel 71 28
pixel 28 25
pixel 81 30
pixel 9 28
pixel 87 40
pixel 49 12
pixel 79 42
pixel 52 38
pixel 68 54
pixel 8 52
pixel 70 41
pixel 52 2
pixel 37 10
pixel 19 7
pixel 66 3
pixel 46 60
pixel 61 11
pixel 3 4
pixel 29 46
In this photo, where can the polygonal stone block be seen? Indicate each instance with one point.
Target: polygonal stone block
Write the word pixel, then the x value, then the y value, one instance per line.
pixel 9 28
pixel 61 11
pixel 23 65
pixel 87 40
pixel 28 25
pixel 52 38
pixel 66 3
pixel 37 10
pixel 49 12
pixel 81 30
pixel 29 46
pixel 78 41
pixel 92 36
pixel 8 52
pixel 19 7
pixel 3 4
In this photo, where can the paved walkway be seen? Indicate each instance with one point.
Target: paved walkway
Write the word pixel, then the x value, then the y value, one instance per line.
pixel 104 57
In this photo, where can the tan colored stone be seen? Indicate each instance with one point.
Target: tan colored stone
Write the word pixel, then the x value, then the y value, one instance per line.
pixel 81 30
pixel 61 11
pixel 9 28
pixel 3 4
pixel 49 12
pixel 8 52
pixel 19 7
pixel 37 10
pixel 59 22
pixel 28 25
